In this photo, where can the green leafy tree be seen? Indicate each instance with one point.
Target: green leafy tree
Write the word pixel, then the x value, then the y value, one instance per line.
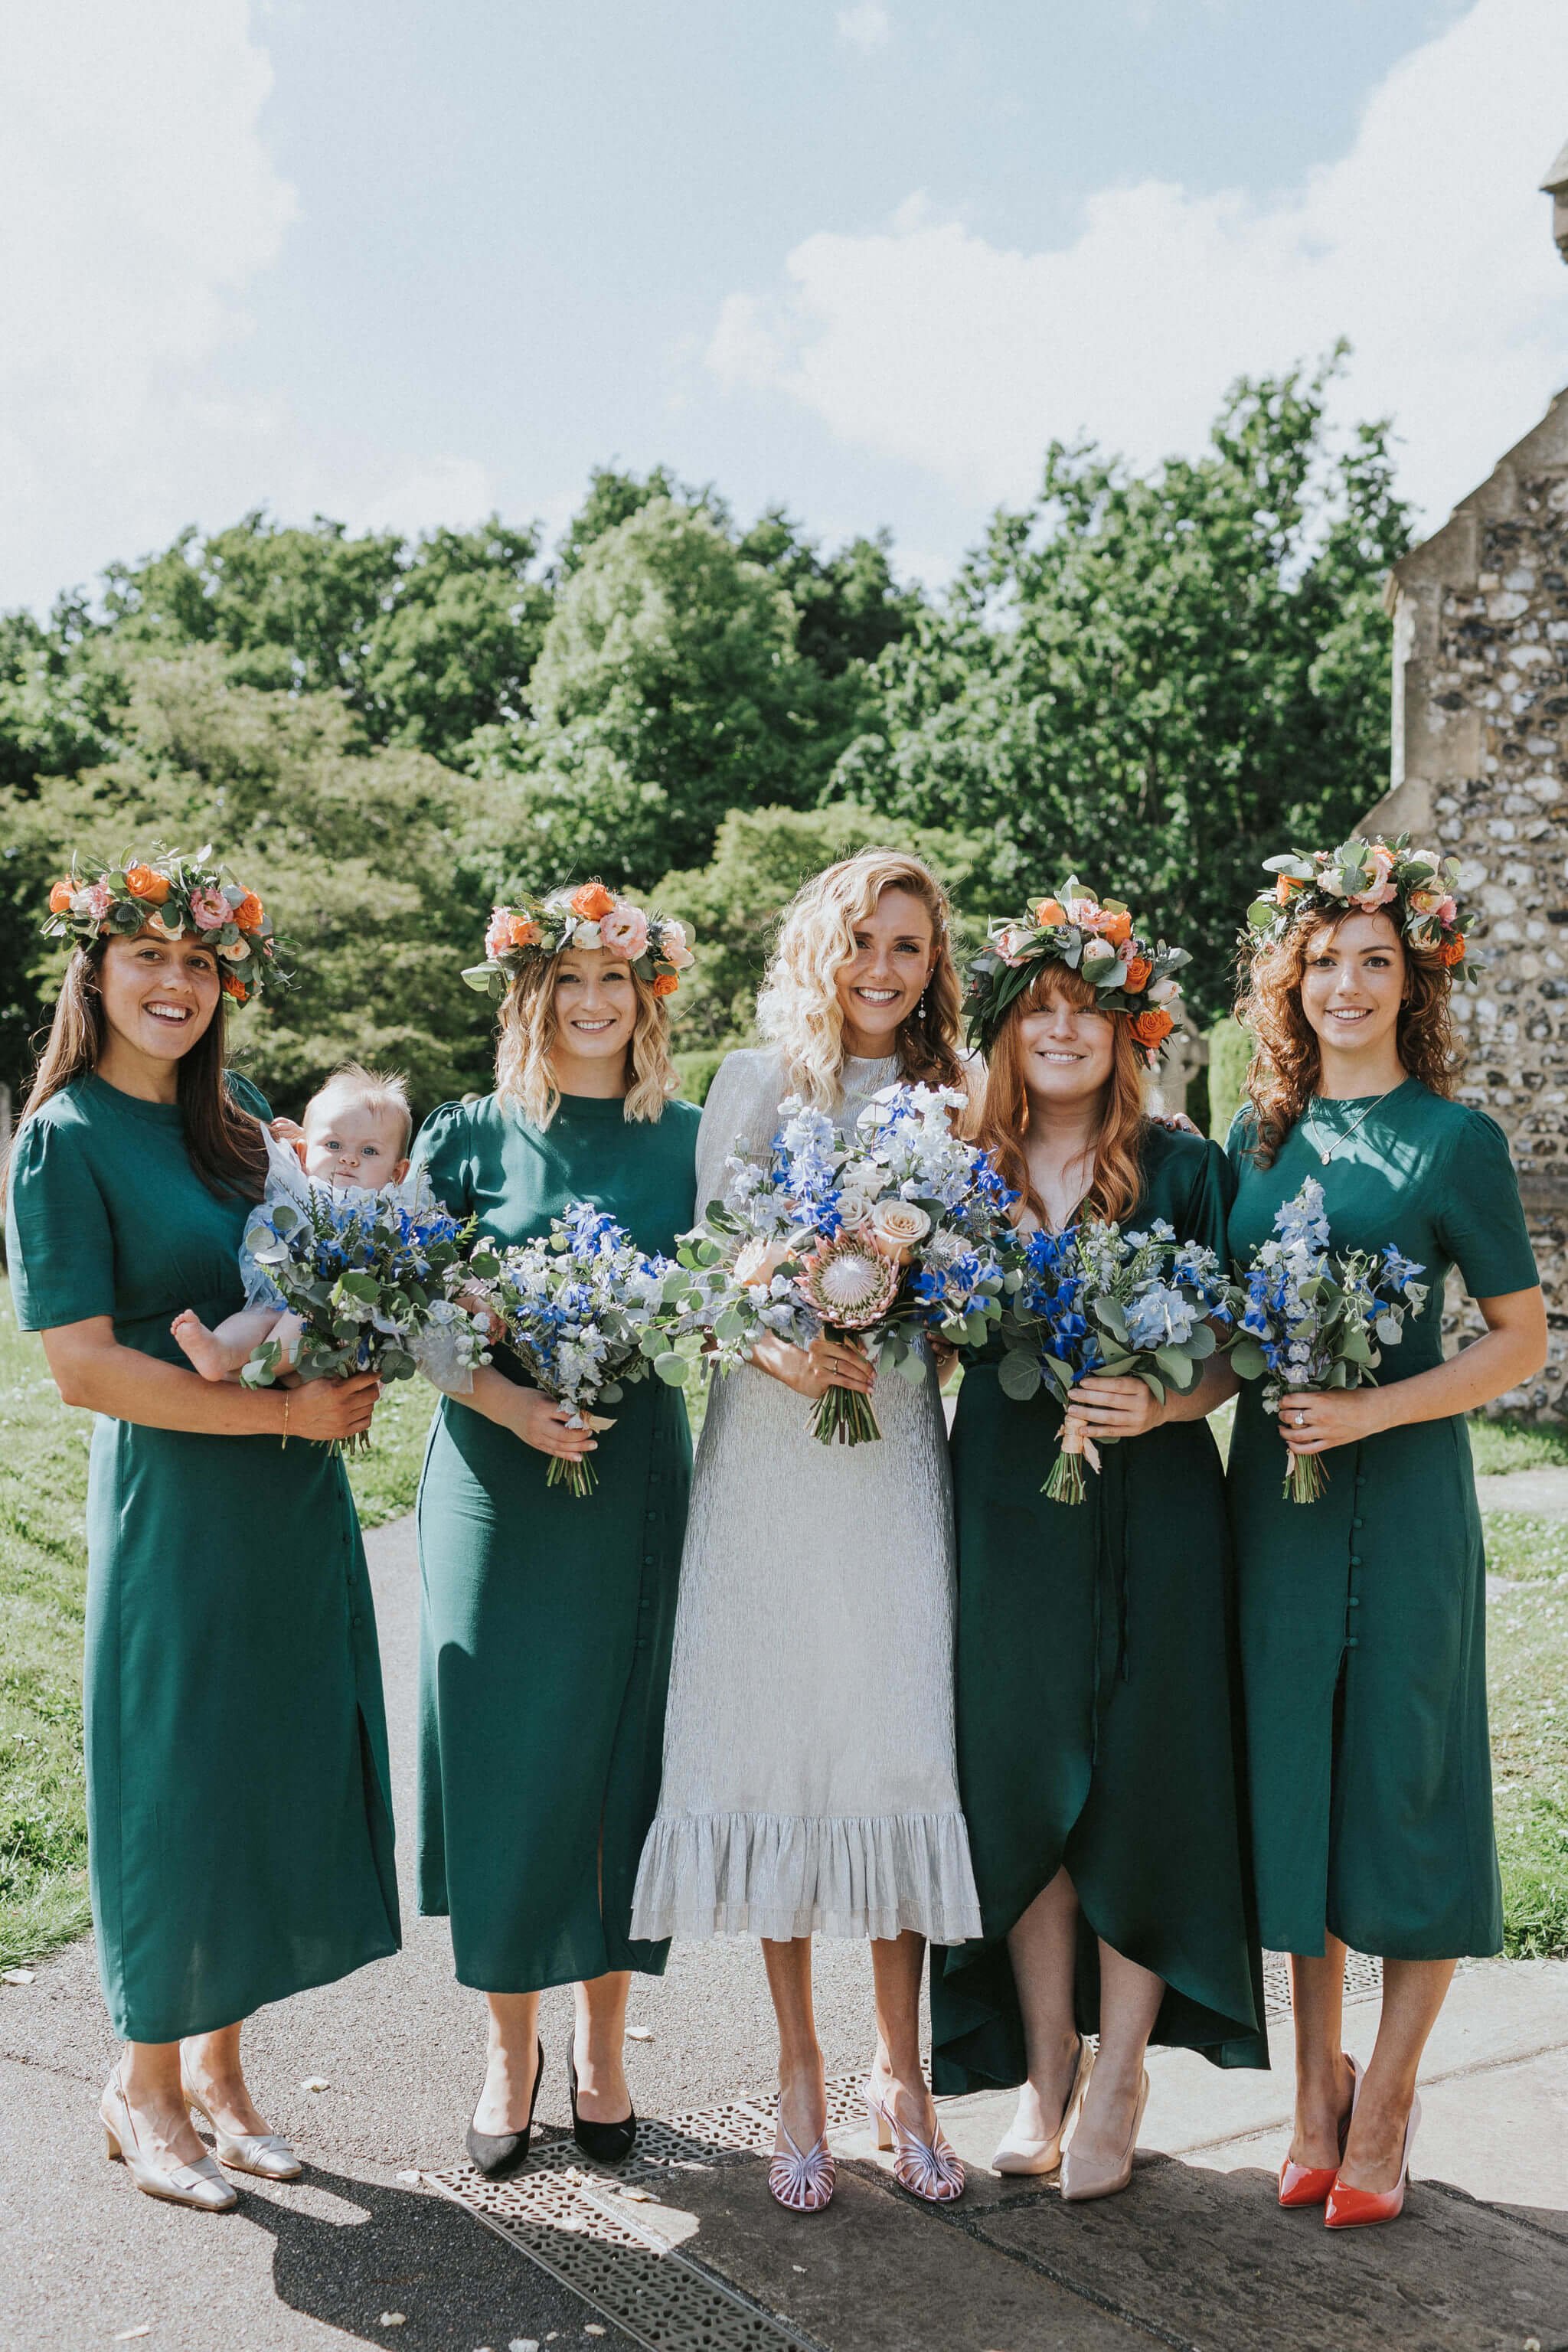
pixel 1156 680
pixel 669 691
pixel 379 869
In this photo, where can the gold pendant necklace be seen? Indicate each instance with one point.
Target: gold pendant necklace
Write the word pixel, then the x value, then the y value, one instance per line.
pixel 1312 1123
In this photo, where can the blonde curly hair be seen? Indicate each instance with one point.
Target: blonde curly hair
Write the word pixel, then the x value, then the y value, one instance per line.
pixel 525 1079
pixel 798 1008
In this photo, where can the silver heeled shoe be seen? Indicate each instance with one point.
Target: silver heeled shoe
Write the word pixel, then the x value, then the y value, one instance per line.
pixel 1018 2154
pixel 1084 2176
pixel 804 2181
pixel 201 2185
pixel 927 2169
pixel 266 2154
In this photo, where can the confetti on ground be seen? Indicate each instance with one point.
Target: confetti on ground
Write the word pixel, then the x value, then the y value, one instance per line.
pixel 640 2033
pixel 414 2176
pixel 126 2334
pixel 640 2196
pixel 395 2319
pixel 24 1976
pixel 525 2344
pixel 315 2082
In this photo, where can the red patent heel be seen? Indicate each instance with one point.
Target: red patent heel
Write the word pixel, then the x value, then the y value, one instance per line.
pixel 1310 2184
pixel 1353 2209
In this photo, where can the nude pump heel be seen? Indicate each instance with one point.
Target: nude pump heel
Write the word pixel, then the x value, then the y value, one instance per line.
pixel 200 2185
pixel 1030 2156
pixel 1083 2177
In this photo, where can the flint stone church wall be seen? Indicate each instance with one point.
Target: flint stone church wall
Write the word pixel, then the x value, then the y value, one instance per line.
pixel 1481 768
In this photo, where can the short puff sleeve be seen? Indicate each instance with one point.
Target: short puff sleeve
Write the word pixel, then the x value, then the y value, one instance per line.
pixel 1479 1218
pixel 1207 1212
pixel 742 1109
pixel 58 1243
pixel 442 1154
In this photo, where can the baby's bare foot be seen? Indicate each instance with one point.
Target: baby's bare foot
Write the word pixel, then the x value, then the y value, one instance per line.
pixel 204 1349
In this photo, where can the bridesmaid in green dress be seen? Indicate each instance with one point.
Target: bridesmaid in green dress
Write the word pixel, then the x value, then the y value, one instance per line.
pixel 1099 1758
pixel 239 1834
pixel 1363 1614
pixel 547 1618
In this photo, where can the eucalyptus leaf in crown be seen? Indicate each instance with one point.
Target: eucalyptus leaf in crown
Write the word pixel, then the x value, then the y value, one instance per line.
pixel 1094 937
pixel 175 895
pixel 1418 890
pixel 589 918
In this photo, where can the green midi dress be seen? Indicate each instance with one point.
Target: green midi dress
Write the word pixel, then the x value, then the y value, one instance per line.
pixel 239 1827
pixel 1096 1723
pixel 1362 1616
pixel 547 1618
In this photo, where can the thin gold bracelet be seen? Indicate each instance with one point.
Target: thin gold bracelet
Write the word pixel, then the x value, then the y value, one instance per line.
pixel 285 1421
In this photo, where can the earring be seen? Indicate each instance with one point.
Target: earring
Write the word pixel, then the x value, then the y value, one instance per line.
pixel 921 1007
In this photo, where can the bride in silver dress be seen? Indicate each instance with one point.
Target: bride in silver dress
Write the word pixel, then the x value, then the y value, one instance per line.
pixel 809 1775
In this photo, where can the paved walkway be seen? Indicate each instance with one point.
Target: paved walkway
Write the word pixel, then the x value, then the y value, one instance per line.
pixel 1543 1492
pixel 375 2247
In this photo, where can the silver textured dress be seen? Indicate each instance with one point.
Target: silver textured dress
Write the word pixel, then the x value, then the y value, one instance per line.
pixel 809 1775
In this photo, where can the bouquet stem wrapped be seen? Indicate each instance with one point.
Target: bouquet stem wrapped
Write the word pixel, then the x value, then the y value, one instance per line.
pixel 884 1245
pixel 1127 1306
pixel 367 1275
pixel 577 1308
pixel 1307 1319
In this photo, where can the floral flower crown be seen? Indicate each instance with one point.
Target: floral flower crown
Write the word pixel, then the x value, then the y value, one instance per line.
pixel 1418 887
pixel 1128 973
pixel 173 897
pixel 656 946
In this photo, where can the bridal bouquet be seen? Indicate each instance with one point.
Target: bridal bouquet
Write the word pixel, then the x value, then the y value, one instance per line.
pixel 367 1275
pixel 1129 1305
pixel 889 1241
pixel 578 1308
pixel 1310 1320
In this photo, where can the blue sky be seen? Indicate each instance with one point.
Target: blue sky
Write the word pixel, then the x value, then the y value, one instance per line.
pixel 863 256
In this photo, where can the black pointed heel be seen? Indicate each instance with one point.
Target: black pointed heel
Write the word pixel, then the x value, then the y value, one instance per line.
pixel 605 2142
pixel 498 2154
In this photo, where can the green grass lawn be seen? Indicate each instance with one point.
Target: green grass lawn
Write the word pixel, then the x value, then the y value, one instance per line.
pixel 43 1488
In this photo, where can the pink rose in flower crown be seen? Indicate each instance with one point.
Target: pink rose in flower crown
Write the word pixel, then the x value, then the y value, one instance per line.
pixel 498 938
pixel 624 931
pixel 1011 946
pixel 97 901
pixel 210 910
pixel 1085 912
pixel 676 945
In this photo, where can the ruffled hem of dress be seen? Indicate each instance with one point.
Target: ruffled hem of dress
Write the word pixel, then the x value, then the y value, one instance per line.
pixel 783 1875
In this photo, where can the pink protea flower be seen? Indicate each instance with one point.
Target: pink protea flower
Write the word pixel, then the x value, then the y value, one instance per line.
pixel 849 1283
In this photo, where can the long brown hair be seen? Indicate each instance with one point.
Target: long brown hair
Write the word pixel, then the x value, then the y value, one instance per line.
pixel 1004 1120
pixel 798 1007
pixel 223 1144
pixel 1287 1063
pixel 526 1038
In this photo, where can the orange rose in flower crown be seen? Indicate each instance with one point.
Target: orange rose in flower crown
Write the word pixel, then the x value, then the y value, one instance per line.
pixel 175 896
pixel 589 917
pixel 1096 938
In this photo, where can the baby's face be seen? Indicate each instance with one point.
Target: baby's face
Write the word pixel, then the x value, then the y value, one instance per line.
pixel 347 1142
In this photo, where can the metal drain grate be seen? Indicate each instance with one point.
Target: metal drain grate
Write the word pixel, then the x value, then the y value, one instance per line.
pixel 570 2216
pixel 572 2221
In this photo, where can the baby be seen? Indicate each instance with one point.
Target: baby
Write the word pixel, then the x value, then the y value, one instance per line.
pixel 356 1134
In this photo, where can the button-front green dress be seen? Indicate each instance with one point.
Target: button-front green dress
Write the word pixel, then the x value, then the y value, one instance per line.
pixel 1096 1725
pixel 547 1617
pixel 1363 1615
pixel 239 1830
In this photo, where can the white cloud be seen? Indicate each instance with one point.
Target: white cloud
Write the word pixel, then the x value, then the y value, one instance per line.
pixel 1428 245
pixel 138 203
pixel 866 27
